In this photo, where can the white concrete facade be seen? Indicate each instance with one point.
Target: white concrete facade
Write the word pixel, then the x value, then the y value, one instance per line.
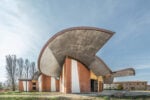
pixel 40 83
pixel 26 86
pixel 53 84
pixel 75 87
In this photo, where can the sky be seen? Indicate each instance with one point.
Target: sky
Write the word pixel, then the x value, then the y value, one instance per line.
pixel 26 25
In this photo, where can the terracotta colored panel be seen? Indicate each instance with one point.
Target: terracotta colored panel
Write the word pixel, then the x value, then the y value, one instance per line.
pixel 67 75
pixel 57 85
pixel 46 83
pixel 20 86
pixel 84 78
pixel 30 85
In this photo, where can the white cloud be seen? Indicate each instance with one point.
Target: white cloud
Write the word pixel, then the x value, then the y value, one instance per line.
pixel 138 67
pixel 17 35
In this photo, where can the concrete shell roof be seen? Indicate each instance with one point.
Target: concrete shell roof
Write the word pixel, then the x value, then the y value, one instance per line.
pixel 80 43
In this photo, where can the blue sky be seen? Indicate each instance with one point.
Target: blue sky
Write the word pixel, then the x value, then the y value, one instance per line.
pixel 26 25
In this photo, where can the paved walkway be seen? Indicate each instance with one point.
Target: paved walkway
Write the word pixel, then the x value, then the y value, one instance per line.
pixel 125 93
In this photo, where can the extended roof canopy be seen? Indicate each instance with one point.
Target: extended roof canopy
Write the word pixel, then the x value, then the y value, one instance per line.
pixel 81 43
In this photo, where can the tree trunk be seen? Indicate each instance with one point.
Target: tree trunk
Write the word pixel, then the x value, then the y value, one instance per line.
pixel 13 85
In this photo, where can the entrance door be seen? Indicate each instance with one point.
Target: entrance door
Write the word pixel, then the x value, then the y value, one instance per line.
pixel 94 85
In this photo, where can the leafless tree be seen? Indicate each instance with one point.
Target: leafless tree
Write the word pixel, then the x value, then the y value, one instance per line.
pixel 27 66
pixel 11 70
pixel 20 63
pixel 32 69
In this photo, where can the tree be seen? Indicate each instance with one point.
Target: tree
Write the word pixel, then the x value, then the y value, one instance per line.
pixel 120 87
pixel 27 66
pixel 20 63
pixel 32 69
pixel 11 70
pixel 1 85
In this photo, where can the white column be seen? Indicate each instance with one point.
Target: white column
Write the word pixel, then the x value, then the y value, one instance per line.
pixel 40 83
pixel 24 85
pixel 27 86
pixel 75 77
pixel 62 81
pixel 53 84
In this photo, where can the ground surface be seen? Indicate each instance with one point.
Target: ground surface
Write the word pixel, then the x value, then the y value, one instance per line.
pixel 105 95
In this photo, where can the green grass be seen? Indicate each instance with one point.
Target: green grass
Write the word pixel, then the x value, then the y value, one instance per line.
pixel 58 96
pixel 28 98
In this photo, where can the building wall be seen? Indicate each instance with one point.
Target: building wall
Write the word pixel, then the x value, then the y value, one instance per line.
pixel 148 87
pixel 111 86
pixel 75 77
pixel 133 85
pixel 43 84
pixel 21 86
pixel 48 84
pixel 25 85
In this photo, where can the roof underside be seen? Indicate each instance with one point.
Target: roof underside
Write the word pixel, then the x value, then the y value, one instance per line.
pixel 81 43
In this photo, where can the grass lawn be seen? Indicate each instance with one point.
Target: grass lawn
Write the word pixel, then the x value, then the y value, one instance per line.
pixel 58 96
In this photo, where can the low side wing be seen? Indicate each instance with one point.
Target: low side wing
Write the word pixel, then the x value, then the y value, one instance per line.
pixel 124 72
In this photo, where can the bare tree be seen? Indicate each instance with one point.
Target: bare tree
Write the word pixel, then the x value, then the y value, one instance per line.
pixel 20 63
pixel 11 70
pixel 32 69
pixel 27 66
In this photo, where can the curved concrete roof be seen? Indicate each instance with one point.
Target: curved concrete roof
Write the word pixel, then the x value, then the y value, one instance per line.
pixel 123 72
pixel 81 43
pixel 99 67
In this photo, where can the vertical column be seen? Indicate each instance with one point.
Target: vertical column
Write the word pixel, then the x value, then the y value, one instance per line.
pixel 75 77
pixel 24 85
pixel 40 83
pixel 57 85
pixel 27 86
pixel 53 84
pixel 68 75
pixel 60 83
pixel 62 80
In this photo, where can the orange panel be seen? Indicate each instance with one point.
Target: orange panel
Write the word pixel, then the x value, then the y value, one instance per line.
pixel 84 78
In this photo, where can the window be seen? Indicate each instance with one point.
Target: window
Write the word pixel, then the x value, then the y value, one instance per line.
pixel 34 88
pixel 34 83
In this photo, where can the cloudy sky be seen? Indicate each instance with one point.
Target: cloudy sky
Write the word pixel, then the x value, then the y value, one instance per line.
pixel 26 25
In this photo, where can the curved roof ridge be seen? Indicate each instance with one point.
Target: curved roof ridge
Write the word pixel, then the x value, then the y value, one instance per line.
pixel 79 47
